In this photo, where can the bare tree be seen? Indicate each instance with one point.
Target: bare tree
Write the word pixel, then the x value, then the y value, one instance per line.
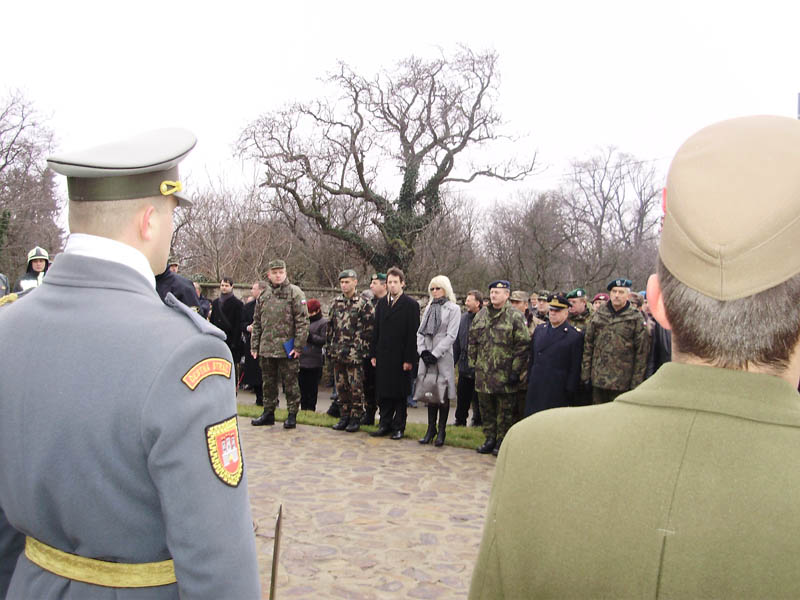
pixel 29 203
pixel 328 157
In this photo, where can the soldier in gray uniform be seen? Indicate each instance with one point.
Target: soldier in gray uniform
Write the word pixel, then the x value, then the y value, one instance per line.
pixel 128 476
pixel 280 331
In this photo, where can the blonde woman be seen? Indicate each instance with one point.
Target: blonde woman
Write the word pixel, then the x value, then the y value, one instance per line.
pixel 437 332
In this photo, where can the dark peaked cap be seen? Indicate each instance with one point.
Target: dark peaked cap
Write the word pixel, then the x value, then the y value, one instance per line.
pixel 139 167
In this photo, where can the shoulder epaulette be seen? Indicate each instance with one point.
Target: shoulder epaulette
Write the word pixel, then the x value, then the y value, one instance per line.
pixel 201 324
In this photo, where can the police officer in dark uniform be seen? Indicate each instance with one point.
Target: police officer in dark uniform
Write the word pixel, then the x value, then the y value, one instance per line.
pixel 128 480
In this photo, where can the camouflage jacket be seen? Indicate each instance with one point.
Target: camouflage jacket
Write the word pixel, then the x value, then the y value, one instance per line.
pixel 280 314
pixel 350 325
pixel 498 348
pixel 581 321
pixel 615 349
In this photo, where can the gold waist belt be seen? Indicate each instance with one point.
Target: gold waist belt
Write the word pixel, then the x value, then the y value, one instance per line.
pixel 99 572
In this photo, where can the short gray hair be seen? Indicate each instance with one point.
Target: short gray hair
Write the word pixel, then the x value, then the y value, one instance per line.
pixel 733 334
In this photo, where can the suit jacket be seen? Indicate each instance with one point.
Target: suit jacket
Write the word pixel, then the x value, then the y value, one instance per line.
pixel 555 367
pixel 228 317
pixel 394 342
pixel 686 487
pixel 108 455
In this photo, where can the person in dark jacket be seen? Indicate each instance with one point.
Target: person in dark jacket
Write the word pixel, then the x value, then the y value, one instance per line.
pixel 465 390
pixel 204 303
pixel 38 263
pixel 181 288
pixel 226 313
pixel 311 357
pixel 251 374
pixel 555 360
pixel 394 353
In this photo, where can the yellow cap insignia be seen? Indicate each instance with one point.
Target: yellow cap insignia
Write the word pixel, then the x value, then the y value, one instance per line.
pixel 206 368
pixel 225 452
pixel 170 187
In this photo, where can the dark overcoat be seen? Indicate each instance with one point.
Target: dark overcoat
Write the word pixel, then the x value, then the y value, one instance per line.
pixel 555 367
pixel 228 317
pixel 395 342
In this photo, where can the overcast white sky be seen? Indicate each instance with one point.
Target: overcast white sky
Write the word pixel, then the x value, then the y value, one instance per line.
pixel 576 75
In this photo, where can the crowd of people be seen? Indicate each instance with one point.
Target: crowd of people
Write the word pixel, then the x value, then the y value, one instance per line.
pixel 675 478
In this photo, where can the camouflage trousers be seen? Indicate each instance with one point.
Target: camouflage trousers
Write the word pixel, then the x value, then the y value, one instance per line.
pixel 284 370
pixel 602 395
pixel 350 387
pixel 497 413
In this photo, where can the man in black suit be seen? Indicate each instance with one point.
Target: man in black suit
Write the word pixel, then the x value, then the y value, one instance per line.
pixel 555 360
pixel 393 353
pixel 226 313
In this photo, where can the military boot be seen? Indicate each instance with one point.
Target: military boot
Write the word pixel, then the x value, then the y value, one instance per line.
pixel 487 446
pixel 353 425
pixel 369 416
pixel 334 410
pixel 342 424
pixel 266 418
pixel 426 439
pixel 291 421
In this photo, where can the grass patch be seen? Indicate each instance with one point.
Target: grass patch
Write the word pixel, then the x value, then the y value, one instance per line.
pixel 458 437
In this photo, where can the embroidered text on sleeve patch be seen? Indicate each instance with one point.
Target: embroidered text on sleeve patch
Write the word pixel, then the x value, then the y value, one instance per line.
pixel 224 451
pixel 205 368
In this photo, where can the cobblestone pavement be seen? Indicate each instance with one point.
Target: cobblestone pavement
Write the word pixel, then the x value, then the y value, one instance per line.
pixel 365 518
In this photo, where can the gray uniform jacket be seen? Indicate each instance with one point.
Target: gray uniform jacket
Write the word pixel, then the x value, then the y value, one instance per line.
pixel 108 455
pixel 441 345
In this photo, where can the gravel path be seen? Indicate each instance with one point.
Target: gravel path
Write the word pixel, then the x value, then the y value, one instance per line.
pixel 365 518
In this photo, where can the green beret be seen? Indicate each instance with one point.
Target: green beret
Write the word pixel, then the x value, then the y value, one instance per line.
pixel 626 283
pixel 379 276
pixel 139 167
pixel 277 264
pixel 577 293
pixel 348 273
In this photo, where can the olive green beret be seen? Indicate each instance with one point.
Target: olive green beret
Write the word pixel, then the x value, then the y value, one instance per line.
pixel 348 273
pixel 577 293
pixel 732 207
pixel 139 167
pixel 277 264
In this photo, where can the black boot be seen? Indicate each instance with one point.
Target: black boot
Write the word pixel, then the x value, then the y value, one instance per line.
pixel 369 416
pixel 382 430
pixel 266 418
pixel 496 449
pixel 432 410
pixel 353 425
pixel 334 410
pixel 443 413
pixel 291 421
pixel 487 446
pixel 342 424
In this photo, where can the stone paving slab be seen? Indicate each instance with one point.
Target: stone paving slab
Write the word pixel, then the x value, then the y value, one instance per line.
pixel 365 518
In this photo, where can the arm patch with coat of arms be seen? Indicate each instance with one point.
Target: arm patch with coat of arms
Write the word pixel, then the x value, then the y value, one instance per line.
pixel 225 452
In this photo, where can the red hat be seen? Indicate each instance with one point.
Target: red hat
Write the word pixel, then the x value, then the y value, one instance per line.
pixel 600 296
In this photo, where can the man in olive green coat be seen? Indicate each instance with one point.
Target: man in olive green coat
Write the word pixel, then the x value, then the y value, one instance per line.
pixel 615 347
pixel 498 346
pixel 280 331
pixel 685 487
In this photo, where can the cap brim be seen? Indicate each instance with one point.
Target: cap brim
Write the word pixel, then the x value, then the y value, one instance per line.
pixel 183 201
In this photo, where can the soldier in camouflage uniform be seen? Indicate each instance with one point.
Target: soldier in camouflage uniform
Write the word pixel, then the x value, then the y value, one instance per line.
pixel 498 346
pixel 519 301
pixel 579 311
pixel 350 324
pixel 280 331
pixel 616 346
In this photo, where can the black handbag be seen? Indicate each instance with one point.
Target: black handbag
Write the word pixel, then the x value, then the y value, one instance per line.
pixel 428 389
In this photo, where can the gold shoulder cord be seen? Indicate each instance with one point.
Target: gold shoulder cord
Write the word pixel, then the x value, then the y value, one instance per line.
pixel 99 572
